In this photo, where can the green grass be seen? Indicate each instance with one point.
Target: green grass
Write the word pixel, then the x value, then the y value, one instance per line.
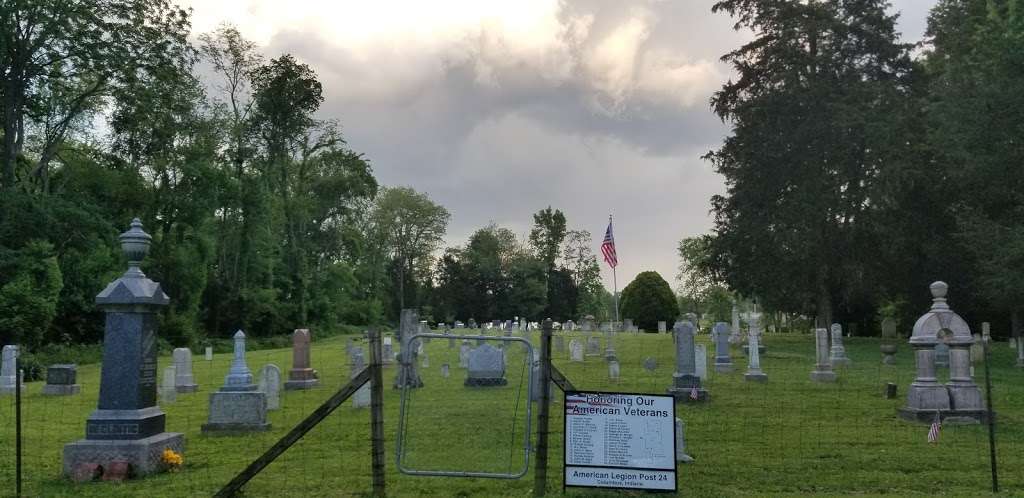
pixel 787 437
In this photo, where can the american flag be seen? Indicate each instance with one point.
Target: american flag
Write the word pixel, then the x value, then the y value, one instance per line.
pixel 694 395
pixel 608 247
pixel 933 432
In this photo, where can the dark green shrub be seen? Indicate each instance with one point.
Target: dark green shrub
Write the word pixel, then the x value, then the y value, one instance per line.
pixel 648 299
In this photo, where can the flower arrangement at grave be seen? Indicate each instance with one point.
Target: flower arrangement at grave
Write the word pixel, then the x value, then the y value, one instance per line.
pixel 171 459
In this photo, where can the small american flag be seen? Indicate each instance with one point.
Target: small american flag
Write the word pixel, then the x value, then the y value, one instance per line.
pixel 933 432
pixel 608 247
pixel 694 395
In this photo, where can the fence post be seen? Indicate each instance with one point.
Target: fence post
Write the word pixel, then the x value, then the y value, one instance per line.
pixel 991 419
pixel 17 424
pixel 540 473
pixel 377 412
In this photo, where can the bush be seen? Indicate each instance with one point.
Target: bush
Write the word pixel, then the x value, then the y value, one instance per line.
pixel 648 299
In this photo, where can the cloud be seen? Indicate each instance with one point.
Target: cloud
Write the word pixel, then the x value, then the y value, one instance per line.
pixel 497 109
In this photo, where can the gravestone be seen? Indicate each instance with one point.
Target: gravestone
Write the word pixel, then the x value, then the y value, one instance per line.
pixel 686 386
pixel 486 367
pixel 569 325
pixel 613 370
pixel 701 356
pixel 662 327
pixel 720 335
pixel 609 350
pixel 127 425
pixel 754 332
pixel 361 398
pixel 735 335
pixel 270 385
pixel 942 355
pixel 681 455
pixel 168 394
pixel 575 350
pixel 388 354
pixel 888 346
pixel 559 343
pixel 9 370
pixel 837 355
pixel 650 364
pixel 587 324
pixel 627 325
pixel 208 354
pixel 60 380
pixel 978 348
pixel 464 354
pixel 959 400
pixel 823 368
pixel 408 374
pixel 184 382
pixel 239 406
pixel 444 370
pixel 593 346
pixel 472 324
pixel 301 376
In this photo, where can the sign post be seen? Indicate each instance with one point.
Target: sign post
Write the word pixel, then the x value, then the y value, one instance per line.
pixel 620 440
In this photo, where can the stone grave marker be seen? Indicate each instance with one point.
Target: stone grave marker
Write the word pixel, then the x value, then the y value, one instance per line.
pixel 593 346
pixel 486 367
pixel 613 370
pixel 184 382
pixel 686 386
pixel 735 335
pixel 837 355
pixel 238 406
pixel 662 327
pixel 208 354
pixel 823 368
pixel 388 354
pixel 720 334
pixel 61 380
pixel 408 374
pixel 444 370
pixel 361 398
pixel 464 354
pixel 301 376
pixel 888 346
pixel 575 350
pixel 127 426
pixel 270 385
pixel 168 393
pixel 754 333
pixel 701 356
pixel 681 455
pixel 559 344
pixel 9 370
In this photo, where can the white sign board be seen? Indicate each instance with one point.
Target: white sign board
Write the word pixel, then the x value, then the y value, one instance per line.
pixel 620 440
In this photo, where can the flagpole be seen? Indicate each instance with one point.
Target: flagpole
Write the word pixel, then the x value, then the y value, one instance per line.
pixel 615 284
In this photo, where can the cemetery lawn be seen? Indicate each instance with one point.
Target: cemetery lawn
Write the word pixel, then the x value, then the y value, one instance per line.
pixel 787 437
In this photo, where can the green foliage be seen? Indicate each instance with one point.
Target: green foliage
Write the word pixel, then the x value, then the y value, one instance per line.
pixel 28 298
pixel 647 300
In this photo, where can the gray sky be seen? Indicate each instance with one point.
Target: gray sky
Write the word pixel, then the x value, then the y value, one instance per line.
pixel 497 109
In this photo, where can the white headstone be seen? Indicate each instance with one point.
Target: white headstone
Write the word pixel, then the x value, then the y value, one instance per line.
pixel 575 350
pixel 168 394
pixel 8 370
pixel 183 381
pixel 270 384
pixel 209 353
pixel 361 398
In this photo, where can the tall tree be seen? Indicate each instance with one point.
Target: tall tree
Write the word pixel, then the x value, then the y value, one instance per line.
pixel 581 264
pixel 812 126
pixel 546 238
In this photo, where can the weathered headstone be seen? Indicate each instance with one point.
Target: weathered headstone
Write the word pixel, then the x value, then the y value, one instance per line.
pixel 569 326
pixel 662 327
pixel 593 346
pixel 208 353
pixel 238 406
pixel 472 324
pixel 977 351
pixel 837 355
pixel 408 375
pixel 754 372
pixel 627 325
pixel 486 367
pixel 613 370
pixel 270 385
pixel 9 370
pixel 61 380
pixel 686 386
pixel 464 354
pixel 168 394
pixel 823 368
pixel 720 335
pixel 701 356
pixel 388 354
pixel 960 398
pixel 888 346
pixel 575 350
pixel 127 425
pixel 735 336
pixel 445 370
pixel 361 398
pixel 301 376
pixel 184 382
pixel 681 455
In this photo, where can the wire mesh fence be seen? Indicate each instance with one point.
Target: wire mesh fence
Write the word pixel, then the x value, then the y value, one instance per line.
pixel 789 435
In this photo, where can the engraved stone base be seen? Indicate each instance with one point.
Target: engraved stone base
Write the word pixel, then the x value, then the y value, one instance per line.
pixel 823 376
pixel 10 389
pixel 237 412
pixel 927 398
pixel 61 389
pixel 723 367
pixel 142 454
pixel 485 381
pixel 755 377
pixel 296 385
pixel 187 388
pixel 966 397
pixel 950 417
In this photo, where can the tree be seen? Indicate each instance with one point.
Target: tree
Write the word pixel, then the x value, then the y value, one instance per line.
pixel 410 228
pixel 546 239
pixel 648 299
pixel 582 268
pixel 814 117
pixel 60 58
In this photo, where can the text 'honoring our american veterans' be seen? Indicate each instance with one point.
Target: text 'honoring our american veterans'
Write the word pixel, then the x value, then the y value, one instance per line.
pixel 620 441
